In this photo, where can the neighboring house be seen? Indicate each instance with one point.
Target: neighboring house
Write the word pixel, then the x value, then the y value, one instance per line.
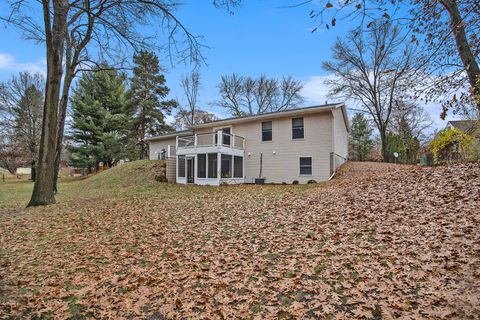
pixel 471 127
pixel 294 145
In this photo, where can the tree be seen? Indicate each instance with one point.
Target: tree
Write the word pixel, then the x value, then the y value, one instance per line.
pixel 21 102
pixel 71 30
pixel 447 30
pixel 247 96
pixel 374 69
pixel 452 144
pixel 101 126
pixel 360 141
pixel 185 119
pixel 190 114
pixel 145 97
pixel 409 118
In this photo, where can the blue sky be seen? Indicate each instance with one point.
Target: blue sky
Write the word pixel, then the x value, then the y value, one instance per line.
pixel 259 38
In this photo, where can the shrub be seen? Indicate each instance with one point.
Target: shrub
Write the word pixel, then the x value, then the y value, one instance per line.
pixel 295 182
pixel 161 178
pixel 452 144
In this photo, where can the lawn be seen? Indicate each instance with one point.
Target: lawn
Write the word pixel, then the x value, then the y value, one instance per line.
pixel 378 241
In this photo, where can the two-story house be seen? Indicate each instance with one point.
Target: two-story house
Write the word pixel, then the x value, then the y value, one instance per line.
pixel 279 147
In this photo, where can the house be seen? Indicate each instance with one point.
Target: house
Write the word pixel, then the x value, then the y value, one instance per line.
pixel 471 127
pixel 281 147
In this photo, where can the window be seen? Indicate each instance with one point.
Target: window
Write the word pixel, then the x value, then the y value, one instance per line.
pixel 161 154
pixel 181 166
pixel 202 165
pixel 267 131
pixel 305 165
pixel 226 167
pixel 297 128
pixel 212 165
pixel 238 167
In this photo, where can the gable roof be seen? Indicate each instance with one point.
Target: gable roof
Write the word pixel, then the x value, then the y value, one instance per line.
pixel 468 126
pixel 257 117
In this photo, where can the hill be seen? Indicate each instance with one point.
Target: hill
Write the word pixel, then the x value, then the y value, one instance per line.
pixel 130 174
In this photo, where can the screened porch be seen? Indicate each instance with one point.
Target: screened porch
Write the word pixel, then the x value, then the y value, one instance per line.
pixel 210 168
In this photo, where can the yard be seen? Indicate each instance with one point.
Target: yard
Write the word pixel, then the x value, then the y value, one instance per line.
pixel 378 241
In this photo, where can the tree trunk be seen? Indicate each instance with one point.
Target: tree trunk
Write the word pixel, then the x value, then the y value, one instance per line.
pixel 61 124
pixel 465 52
pixel 383 138
pixel 43 189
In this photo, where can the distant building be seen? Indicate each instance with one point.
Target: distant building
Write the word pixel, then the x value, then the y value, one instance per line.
pixel 471 127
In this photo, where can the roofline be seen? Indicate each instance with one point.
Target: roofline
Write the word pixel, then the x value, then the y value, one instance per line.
pixel 170 135
pixel 269 115
pixel 256 117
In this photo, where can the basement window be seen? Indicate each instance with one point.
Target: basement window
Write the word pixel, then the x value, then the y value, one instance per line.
pixel 305 166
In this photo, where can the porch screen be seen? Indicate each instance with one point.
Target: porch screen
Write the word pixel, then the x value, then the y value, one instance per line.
pixel 226 166
pixel 181 166
pixel 212 165
pixel 238 167
pixel 202 165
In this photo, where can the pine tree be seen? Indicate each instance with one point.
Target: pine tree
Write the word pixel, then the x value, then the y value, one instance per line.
pixel 100 122
pixel 360 137
pixel 145 98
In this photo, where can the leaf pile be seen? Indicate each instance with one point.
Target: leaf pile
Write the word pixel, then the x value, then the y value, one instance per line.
pixel 378 241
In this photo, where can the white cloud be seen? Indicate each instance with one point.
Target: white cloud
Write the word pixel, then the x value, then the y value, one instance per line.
pixel 9 64
pixel 315 92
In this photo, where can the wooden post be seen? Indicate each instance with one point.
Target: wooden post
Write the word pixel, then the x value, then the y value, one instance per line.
pixel 219 137
pixel 233 141
pixel 219 166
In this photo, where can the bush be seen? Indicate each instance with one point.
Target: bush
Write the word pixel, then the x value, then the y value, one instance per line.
pixel 311 181
pixel 452 144
pixel 295 182
pixel 161 178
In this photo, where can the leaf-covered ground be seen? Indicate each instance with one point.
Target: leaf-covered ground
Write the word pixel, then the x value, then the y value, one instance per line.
pixel 379 241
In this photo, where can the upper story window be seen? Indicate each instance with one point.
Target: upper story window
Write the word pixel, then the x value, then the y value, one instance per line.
pixel 267 131
pixel 297 128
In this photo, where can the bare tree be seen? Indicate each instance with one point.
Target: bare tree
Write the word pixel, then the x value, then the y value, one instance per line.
pixel 374 69
pixel 407 113
pixel 190 84
pixel 71 30
pixel 184 118
pixel 21 103
pixel 447 30
pixel 247 96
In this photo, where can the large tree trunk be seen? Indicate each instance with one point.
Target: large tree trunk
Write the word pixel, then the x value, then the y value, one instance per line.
pixel 464 50
pixel 43 193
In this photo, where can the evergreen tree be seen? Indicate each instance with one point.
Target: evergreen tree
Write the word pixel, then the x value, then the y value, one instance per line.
pixel 360 137
pixel 145 98
pixel 100 129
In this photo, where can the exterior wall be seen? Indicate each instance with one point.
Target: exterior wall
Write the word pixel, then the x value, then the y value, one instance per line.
pixel 281 156
pixel 157 146
pixel 171 170
pixel 340 137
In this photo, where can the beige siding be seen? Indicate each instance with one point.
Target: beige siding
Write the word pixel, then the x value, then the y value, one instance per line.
pixel 340 136
pixel 283 166
pixel 157 146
